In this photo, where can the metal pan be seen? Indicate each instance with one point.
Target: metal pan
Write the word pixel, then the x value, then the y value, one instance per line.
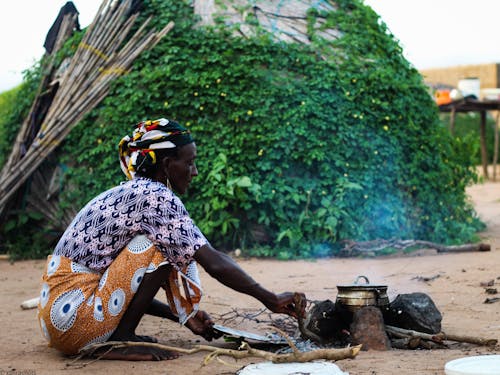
pixel 238 334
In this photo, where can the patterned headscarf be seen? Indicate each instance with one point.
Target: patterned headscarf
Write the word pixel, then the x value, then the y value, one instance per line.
pixel 137 152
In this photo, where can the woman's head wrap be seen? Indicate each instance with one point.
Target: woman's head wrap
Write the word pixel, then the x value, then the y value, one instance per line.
pixel 137 152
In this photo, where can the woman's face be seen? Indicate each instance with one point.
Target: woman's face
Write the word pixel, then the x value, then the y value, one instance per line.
pixel 180 170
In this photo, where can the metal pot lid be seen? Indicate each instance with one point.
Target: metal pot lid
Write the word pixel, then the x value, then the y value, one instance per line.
pixel 358 286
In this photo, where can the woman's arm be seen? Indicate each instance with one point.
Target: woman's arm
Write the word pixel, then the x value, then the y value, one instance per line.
pixel 225 270
pixel 162 310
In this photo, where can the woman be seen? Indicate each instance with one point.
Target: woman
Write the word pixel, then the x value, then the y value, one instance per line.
pixel 128 242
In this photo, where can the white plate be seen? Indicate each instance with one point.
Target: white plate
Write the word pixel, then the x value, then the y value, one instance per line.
pixel 478 365
pixel 312 368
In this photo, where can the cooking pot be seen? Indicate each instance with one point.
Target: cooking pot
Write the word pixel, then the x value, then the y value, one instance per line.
pixel 355 296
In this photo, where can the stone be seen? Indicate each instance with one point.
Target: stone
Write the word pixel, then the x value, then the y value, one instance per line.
pixel 415 311
pixel 368 329
pixel 324 322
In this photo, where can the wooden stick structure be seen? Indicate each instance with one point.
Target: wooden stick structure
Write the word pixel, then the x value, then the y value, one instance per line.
pixel 66 29
pixel 102 56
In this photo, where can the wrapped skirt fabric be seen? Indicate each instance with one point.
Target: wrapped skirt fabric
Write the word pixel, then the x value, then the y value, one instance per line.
pixel 79 306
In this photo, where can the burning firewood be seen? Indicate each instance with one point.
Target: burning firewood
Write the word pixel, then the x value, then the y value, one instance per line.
pixel 438 338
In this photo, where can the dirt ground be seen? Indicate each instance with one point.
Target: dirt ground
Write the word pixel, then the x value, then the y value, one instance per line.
pixel 456 292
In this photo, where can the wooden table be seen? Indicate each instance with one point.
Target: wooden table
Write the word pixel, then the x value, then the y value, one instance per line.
pixel 471 104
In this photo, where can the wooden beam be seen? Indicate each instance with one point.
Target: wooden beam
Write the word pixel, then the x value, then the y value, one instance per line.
pixel 452 121
pixel 484 151
pixel 495 149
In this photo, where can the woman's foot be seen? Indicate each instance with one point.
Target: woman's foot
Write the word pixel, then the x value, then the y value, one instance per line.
pixel 135 353
pixel 131 337
pixel 146 338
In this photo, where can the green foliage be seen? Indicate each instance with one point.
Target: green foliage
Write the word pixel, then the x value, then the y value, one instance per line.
pixel 219 217
pixel 467 134
pixel 7 104
pixel 7 100
pixel 27 237
pixel 68 49
pixel 299 146
pixel 14 107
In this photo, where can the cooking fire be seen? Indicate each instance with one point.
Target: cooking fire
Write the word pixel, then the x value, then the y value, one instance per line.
pixel 363 315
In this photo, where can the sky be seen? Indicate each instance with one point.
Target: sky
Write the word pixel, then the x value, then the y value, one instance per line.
pixel 432 33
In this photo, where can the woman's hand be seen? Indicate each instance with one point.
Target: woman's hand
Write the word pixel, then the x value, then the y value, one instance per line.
pixel 224 269
pixel 201 324
pixel 293 304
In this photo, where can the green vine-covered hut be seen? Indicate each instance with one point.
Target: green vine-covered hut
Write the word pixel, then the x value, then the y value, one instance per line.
pixel 312 129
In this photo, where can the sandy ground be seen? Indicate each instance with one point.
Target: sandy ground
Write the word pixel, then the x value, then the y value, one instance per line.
pixel 457 293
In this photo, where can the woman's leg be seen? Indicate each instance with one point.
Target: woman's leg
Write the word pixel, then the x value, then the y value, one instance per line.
pixel 143 302
pixel 161 310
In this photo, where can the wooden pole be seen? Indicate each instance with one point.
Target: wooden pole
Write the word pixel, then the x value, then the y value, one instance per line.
pixel 484 151
pixel 495 149
pixel 452 121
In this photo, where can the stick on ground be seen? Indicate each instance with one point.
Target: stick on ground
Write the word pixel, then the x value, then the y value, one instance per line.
pixel 245 351
pixel 439 337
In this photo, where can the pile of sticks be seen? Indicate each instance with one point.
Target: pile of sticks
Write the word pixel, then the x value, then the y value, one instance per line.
pixel 104 54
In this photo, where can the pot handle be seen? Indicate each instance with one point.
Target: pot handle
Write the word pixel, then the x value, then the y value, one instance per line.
pixel 361 277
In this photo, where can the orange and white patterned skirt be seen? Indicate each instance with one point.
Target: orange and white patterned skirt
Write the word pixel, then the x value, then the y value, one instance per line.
pixel 79 306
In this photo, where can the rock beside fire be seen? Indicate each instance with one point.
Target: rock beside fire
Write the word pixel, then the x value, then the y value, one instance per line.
pixel 414 311
pixel 322 319
pixel 368 329
pixel 325 326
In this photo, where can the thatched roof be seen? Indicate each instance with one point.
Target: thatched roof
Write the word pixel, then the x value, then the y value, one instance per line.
pixel 286 20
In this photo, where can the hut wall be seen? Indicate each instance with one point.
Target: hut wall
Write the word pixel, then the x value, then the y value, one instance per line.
pixel 488 75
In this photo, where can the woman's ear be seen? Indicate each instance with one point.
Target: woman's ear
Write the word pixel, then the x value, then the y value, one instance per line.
pixel 161 170
pixel 165 166
pixel 165 161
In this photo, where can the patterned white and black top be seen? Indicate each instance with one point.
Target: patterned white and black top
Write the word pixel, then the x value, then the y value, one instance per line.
pixel 112 219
